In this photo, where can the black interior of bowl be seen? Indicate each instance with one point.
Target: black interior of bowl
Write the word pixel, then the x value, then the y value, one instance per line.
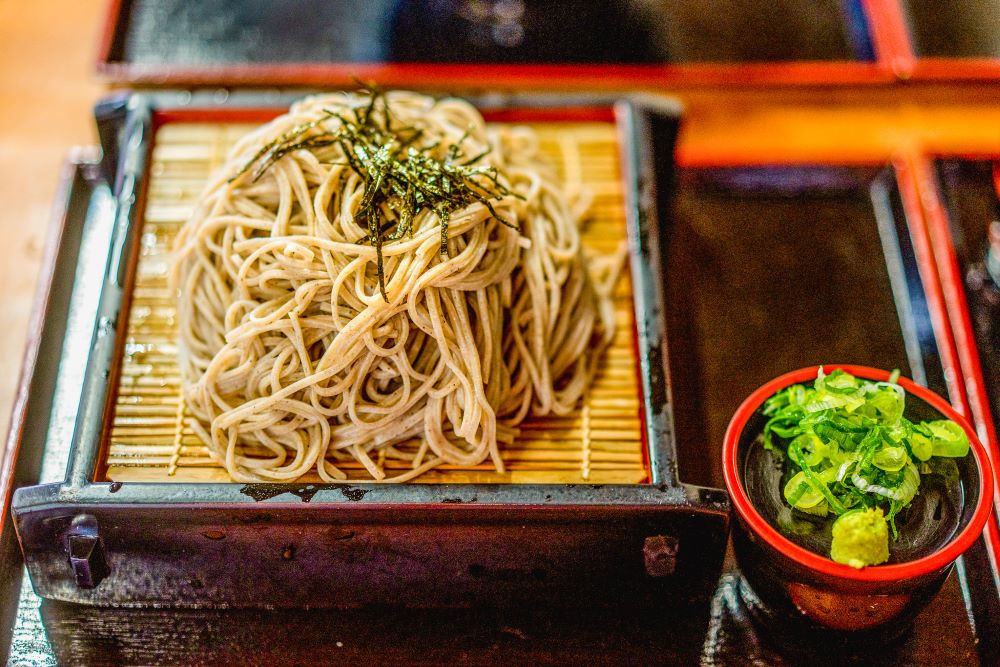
pixel 954 28
pixel 935 516
pixel 770 269
pixel 219 32
pixel 970 198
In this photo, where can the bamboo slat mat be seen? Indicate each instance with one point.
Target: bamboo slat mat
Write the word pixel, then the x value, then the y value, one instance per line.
pixel 600 442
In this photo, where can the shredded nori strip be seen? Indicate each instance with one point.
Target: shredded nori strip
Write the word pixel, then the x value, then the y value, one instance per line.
pixel 397 171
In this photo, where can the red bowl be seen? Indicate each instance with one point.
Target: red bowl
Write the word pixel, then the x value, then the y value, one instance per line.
pixel 788 586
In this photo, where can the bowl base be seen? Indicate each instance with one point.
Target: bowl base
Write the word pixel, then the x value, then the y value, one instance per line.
pixel 797 635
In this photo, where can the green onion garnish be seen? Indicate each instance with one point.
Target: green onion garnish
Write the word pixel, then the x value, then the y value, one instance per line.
pixel 854 450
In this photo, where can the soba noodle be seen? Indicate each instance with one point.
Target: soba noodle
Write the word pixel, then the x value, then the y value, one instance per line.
pixel 291 358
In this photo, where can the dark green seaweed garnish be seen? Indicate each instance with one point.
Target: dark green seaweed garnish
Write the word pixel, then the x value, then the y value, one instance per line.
pixel 400 170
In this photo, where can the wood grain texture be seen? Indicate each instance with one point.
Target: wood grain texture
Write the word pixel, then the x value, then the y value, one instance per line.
pixel 46 50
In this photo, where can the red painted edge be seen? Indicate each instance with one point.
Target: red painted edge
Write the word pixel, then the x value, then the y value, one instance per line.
pixel 36 325
pixel 601 114
pixel 895 59
pixel 162 116
pixel 523 76
pixel 963 155
pixel 558 114
pixel 112 18
pixel 891 36
pixel 478 74
pixel 957 69
pixel 929 278
pixel 565 76
pixel 769 156
pixel 958 312
pixel 878 573
pixel 939 289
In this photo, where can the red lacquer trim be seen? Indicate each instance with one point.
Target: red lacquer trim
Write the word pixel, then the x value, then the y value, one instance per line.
pixel 229 114
pixel 769 156
pixel 957 69
pixel 109 29
pixel 555 114
pixel 891 36
pixel 958 311
pixel 949 299
pixel 992 537
pixel 923 251
pixel 879 573
pixel 885 22
pixel 970 155
pixel 887 25
pixel 226 114
pixel 433 75
pixel 971 396
pixel 36 326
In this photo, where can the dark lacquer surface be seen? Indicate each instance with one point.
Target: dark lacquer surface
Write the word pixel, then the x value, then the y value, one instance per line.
pixel 219 32
pixel 716 633
pixel 358 544
pixel 971 199
pixel 954 28
pixel 773 269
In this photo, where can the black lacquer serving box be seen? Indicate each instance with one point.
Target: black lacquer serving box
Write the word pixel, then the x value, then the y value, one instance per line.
pixel 549 43
pixel 104 536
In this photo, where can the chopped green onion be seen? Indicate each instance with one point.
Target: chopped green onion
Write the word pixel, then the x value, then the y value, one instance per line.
pixel 852 452
pixel 921 445
pixel 949 439
pixel 800 494
pixel 890 459
pixel 814 480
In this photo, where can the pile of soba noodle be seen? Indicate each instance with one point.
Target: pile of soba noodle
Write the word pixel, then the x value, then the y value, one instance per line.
pixel 292 359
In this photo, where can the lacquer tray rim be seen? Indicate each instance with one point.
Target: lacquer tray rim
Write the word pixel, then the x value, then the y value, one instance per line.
pixel 882 22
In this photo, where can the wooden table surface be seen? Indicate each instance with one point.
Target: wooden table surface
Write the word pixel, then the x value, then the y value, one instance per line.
pixel 46 91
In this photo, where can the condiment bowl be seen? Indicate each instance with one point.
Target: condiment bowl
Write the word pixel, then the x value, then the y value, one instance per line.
pixel 799 593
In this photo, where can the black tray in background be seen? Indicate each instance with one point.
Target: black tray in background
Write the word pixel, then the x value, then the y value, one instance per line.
pixel 213 33
pixel 770 269
pixel 954 28
pixel 728 226
pixel 970 199
pixel 358 544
